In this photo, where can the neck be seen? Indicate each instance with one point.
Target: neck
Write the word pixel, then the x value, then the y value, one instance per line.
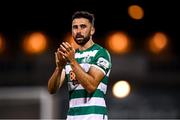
pixel 87 45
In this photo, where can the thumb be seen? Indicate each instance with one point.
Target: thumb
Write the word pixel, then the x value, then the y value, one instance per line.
pixel 56 57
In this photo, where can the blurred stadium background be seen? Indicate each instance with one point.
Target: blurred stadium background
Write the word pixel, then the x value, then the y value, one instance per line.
pixel 142 37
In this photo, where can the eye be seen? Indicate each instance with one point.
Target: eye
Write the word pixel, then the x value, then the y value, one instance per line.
pixel 74 26
pixel 83 26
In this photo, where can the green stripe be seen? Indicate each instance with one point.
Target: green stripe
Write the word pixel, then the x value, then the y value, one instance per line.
pixel 103 53
pixel 85 94
pixel 81 60
pixel 92 48
pixel 105 80
pixel 87 110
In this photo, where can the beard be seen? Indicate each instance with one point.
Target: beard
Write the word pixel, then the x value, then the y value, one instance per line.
pixel 81 40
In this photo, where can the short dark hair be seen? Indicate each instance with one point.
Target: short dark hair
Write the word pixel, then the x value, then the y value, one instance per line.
pixel 84 14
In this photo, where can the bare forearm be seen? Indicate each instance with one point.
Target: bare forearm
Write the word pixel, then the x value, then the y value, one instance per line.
pixel 88 80
pixel 54 80
pixel 83 78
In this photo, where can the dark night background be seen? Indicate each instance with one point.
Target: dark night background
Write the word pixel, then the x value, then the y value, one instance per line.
pixel 155 84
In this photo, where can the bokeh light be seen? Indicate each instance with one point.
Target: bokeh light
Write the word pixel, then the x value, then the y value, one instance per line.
pixel 35 43
pixel 2 43
pixel 136 12
pixel 121 89
pixel 118 42
pixel 158 42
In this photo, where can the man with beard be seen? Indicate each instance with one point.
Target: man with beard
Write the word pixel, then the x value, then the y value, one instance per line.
pixel 86 70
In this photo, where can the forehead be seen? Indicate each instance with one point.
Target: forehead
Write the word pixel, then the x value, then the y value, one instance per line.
pixel 78 21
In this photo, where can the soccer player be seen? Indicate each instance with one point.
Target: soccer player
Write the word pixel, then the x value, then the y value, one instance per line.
pixel 86 70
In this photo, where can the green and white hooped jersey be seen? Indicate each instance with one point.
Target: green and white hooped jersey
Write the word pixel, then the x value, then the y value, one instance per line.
pixel 83 105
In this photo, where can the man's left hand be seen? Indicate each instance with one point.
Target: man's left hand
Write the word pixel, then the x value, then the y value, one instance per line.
pixel 67 51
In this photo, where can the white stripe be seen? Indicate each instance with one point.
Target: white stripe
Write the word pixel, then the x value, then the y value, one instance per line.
pixel 82 102
pixel 88 117
pixel 85 54
pixel 85 66
pixel 101 86
pixel 108 73
pixel 98 68
pixel 80 87
pixel 68 68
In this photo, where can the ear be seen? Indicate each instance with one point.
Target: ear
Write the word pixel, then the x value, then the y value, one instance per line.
pixel 92 30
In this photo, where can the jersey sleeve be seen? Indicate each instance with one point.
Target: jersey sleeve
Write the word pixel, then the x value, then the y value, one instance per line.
pixel 102 61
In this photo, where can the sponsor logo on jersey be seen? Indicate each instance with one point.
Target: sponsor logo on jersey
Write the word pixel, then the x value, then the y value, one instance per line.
pixel 86 59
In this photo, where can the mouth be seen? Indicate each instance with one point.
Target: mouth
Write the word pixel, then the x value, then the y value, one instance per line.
pixel 79 38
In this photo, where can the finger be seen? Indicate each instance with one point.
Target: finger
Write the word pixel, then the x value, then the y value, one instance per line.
pixel 58 50
pixel 63 48
pixel 66 46
pixel 74 50
pixel 56 59
pixel 70 46
pixel 56 56
pixel 63 54
pixel 59 56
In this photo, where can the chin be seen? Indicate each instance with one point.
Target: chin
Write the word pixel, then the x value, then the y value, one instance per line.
pixel 79 41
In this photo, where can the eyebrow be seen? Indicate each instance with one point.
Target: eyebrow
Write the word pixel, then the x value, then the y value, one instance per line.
pixel 81 25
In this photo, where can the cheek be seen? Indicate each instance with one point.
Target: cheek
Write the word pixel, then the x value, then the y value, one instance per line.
pixel 86 32
pixel 73 33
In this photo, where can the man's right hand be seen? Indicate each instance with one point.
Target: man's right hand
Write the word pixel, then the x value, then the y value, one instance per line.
pixel 60 60
pixel 58 76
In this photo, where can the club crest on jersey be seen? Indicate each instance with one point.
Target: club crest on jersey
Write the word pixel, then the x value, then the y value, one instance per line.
pixel 103 63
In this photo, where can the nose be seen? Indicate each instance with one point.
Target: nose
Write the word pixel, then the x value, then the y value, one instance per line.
pixel 78 30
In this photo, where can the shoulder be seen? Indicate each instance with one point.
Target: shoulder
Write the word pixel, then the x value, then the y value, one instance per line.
pixel 102 51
